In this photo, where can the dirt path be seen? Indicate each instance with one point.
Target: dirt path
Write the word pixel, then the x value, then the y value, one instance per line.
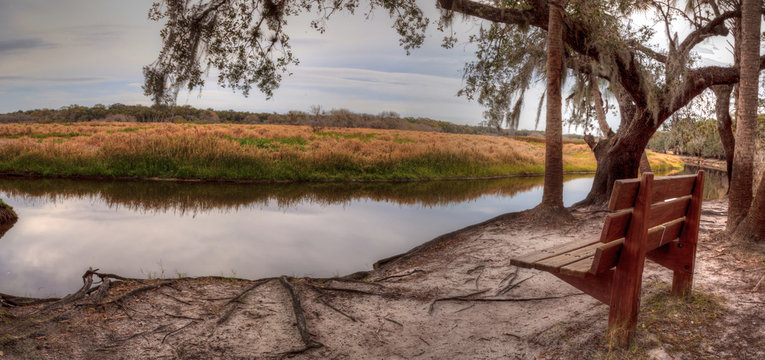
pixel 455 297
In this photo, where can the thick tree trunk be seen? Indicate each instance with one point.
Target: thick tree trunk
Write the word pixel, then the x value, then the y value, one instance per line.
pixel 598 193
pixel 619 157
pixel 724 123
pixel 552 197
pixel 752 227
pixel 740 190
pixel 645 166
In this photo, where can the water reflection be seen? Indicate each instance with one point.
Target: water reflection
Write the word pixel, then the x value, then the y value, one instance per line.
pixel 193 198
pixel 715 181
pixel 165 229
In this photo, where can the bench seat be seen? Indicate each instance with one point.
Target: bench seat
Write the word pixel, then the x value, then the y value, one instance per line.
pixel 581 257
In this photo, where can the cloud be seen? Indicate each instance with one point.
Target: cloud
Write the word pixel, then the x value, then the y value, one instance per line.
pixel 7 46
pixel 80 79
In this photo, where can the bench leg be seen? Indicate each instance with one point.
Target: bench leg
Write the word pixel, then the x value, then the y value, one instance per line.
pixel 682 279
pixel 625 301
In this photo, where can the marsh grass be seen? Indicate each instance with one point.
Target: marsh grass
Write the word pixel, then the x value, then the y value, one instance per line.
pixel 268 152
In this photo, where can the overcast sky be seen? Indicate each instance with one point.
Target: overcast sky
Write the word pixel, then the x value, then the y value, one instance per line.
pixel 57 53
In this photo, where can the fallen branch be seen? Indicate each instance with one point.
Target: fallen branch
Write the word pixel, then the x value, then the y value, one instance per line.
pixel 415 271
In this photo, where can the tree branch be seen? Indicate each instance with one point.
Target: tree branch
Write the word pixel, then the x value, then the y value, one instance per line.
pixel 536 16
pixel 715 27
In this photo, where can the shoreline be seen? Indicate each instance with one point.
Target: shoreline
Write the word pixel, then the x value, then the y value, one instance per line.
pixel 455 296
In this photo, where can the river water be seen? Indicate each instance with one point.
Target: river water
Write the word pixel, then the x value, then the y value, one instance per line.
pixel 169 229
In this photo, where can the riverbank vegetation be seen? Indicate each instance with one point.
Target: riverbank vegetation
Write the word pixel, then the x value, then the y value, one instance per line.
pixel 695 137
pixel 273 152
pixel 317 117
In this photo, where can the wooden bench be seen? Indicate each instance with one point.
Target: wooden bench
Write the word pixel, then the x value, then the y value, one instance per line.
pixel 652 218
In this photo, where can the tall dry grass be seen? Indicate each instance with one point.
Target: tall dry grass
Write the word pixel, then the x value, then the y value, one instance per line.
pixel 267 152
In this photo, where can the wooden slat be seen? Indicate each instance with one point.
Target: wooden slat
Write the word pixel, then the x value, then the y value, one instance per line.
pixel 554 263
pixel 615 226
pixel 672 186
pixel 623 194
pixel 606 256
pixel 528 260
pixel 660 235
pixel 670 256
pixel 625 191
pixel 578 269
pixel 667 211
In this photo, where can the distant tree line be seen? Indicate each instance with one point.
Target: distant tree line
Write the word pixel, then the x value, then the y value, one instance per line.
pixel 686 136
pixel 317 117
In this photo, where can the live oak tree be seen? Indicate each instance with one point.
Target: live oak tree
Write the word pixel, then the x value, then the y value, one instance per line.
pixel 651 84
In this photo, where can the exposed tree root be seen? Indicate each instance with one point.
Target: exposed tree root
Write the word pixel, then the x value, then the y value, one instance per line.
pixel 297 308
pixel 177 330
pixel 87 280
pixel 324 301
pixel 511 286
pixel 12 301
pixel 415 271
pixel 465 296
pixel 508 279
pixel 470 298
pixel 238 300
pixel 141 290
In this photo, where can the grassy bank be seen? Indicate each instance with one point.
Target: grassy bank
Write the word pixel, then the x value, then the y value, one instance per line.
pixel 272 152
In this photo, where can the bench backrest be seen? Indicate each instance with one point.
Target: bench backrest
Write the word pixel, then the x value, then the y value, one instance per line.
pixel 674 211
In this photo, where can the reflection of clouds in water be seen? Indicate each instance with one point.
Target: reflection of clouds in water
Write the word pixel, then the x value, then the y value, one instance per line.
pixel 53 243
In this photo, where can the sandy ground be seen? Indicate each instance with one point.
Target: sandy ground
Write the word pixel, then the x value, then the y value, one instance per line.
pixel 456 297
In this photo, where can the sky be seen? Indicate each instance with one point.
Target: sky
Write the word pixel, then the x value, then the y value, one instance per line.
pixel 86 52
